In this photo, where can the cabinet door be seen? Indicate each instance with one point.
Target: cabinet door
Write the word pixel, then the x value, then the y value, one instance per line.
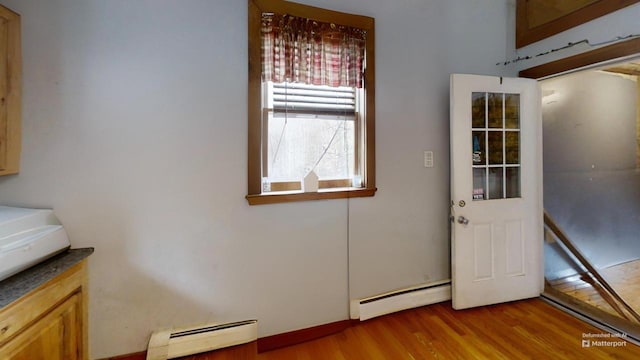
pixel 10 91
pixel 55 337
pixel 4 71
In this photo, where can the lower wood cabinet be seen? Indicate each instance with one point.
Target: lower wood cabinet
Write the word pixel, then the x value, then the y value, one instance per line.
pixel 49 322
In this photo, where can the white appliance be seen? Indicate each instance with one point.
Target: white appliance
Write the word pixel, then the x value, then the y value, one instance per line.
pixel 27 237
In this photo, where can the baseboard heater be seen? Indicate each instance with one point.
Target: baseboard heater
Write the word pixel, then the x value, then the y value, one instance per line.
pixel 173 343
pixel 399 300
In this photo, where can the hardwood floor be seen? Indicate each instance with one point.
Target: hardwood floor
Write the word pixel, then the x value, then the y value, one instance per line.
pixel 623 278
pixel 529 329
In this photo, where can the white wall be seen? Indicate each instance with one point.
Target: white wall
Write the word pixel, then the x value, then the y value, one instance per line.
pixel 135 133
pixel 402 237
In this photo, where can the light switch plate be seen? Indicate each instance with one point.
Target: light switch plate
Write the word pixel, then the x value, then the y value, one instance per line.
pixel 428 159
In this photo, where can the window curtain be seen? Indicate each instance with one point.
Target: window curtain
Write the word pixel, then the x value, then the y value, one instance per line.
pixel 306 51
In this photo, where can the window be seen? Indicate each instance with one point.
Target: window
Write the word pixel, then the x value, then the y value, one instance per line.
pixel 311 103
pixel 310 128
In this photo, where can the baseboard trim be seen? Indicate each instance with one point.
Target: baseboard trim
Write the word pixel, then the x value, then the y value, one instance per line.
pixel 299 336
pixel 142 355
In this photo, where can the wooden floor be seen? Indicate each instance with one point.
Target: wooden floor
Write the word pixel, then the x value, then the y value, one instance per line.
pixel 623 278
pixel 529 329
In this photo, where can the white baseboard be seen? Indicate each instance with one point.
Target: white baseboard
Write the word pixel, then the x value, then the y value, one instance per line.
pixel 409 298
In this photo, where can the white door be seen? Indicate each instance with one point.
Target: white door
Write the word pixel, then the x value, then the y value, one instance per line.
pixel 496 190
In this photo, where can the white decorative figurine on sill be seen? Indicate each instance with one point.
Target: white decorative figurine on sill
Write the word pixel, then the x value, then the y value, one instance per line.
pixel 310 182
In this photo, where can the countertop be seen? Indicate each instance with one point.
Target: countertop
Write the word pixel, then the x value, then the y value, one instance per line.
pixel 23 282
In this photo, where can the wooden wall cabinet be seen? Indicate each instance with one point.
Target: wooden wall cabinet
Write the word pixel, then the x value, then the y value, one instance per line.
pixel 49 322
pixel 539 19
pixel 10 91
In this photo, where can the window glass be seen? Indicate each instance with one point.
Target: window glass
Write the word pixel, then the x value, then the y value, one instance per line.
pixel 298 143
pixel 495 138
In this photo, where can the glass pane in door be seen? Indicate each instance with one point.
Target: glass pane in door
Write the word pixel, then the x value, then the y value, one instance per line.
pixel 512 182
pixel 496 148
pixel 479 145
pixel 478 110
pixel 512 147
pixel 479 183
pixel 495 110
pixel 496 186
pixel 512 111
pixel 495 142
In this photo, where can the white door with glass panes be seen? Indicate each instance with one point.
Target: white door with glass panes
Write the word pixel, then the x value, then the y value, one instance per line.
pixel 496 190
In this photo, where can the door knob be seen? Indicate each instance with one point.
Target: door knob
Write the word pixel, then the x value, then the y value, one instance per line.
pixel 463 220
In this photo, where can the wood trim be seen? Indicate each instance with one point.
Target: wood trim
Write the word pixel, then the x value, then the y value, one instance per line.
pixel 4 90
pixel 254 147
pixel 142 355
pixel 369 176
pixel 83 320
pixel 315 13
pixel 299 336
pixel 638 122
pixel 322 184
pixel 326 194
pixel 526 35
pixel 254 173
pixel 610 52
pixel 287 186
pixel 335 183
pixel 11 91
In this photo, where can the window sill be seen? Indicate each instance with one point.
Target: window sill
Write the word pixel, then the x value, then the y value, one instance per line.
pixel 322 194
